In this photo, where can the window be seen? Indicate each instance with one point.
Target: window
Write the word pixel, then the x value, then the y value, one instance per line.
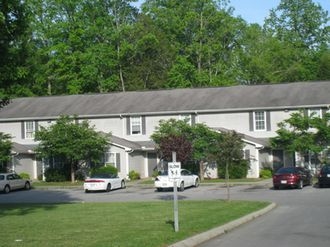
pixel 260 120
pixel 29 128
pixel 136 125
pixel 112 159
pixel 315 113
pixel 186 118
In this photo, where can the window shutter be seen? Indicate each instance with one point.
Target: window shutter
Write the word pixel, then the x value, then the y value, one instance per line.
pixel 193 119
pixel 143 125
pixel 247 154
pixel 36 126
pixel 128 125
pixel 324 111
pixel 23 130
pixel 118 161
pixel 251 121
pixel 268 121
pixel 305 112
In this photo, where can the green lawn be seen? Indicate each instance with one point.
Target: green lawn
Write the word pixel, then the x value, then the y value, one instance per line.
pixel 113 224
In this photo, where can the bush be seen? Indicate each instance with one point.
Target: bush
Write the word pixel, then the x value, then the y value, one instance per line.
pixel 105 169
pixel 24 175
pixel 236 170
pixel 55 175
pixel 266 173
pixel 133 175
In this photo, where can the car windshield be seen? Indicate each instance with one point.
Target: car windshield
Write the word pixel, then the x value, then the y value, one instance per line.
pixel 286 170
pixel 104 176
pixel 2 177
pixel 326 169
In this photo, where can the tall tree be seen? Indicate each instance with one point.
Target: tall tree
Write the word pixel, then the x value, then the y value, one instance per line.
pixel 302 27
pixel 15 77
pixel 204 36
pixel 75 143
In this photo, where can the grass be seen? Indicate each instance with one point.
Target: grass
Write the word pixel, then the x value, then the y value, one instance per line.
pixel 113 224
pixel 231 181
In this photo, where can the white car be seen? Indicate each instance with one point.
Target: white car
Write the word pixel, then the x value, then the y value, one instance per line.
pixel 104 182
pixel 186 179
pixel 12 181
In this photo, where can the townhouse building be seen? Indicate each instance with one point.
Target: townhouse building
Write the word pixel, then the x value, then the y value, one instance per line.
pixel 132 117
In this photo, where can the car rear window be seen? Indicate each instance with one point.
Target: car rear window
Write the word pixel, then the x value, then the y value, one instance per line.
pixel 2 177
pixel 285 170
pixel 326 169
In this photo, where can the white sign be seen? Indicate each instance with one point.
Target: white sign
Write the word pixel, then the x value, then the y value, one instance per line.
pixel 174 170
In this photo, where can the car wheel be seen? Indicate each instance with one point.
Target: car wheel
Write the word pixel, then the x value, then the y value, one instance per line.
pixel 159 189
pixel 276 187
pixel 27 186
pixel 86 191
pixel 108 187
pixel 196 182
pixel 181 186
pixel 320 185
pixel 6 190
pixel 123 185
pixel 300 184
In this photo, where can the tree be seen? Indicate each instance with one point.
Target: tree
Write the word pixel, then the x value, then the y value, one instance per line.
pixel 302 28
pixel 303 134
pixel 76 143
pixel 5 147
pixel 198 141
pixel 230 148
pixel 15 77
pixel 295 135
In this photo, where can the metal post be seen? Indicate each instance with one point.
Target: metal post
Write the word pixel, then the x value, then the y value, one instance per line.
pixel 175 198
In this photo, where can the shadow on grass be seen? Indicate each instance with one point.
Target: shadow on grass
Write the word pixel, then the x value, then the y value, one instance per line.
pixel 19 203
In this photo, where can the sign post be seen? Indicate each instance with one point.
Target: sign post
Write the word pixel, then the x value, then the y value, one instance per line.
pixel 174 172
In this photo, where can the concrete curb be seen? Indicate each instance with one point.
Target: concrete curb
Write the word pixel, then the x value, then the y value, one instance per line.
pixel 215 232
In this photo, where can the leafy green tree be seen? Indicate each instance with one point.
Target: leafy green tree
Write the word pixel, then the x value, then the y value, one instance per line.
pixel 15 77
pixel 204 36
pixel 5 147
pixel 302 29
pixel 295 134
pixel 196 142
pixel 303 134
pixel 76 143
pixel 229 153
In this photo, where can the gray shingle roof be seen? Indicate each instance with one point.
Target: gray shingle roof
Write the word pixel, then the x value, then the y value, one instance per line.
pixel 233 98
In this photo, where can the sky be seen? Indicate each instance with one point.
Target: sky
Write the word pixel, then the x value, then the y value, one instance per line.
pixel 255 11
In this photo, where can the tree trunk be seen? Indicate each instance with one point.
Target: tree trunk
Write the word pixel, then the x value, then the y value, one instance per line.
pixel 227 181
pixel 72 173
pixel 201 170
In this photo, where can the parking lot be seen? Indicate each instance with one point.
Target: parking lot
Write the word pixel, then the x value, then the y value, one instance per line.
pixel 301 217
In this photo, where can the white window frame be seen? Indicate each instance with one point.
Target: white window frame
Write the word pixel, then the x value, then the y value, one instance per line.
pixel 316 112
pixel 136 123
pixel 110 158
pixel 184 117
pixel 259 122
pixel 29 129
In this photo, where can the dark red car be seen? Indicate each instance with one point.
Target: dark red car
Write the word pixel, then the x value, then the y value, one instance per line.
pixel 293 177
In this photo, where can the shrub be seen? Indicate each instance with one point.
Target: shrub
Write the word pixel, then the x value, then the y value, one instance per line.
pixel 266 173
pixel 104 169
pixel 24 175
pixel 133 175
pixel 236 170
pixel 55 175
